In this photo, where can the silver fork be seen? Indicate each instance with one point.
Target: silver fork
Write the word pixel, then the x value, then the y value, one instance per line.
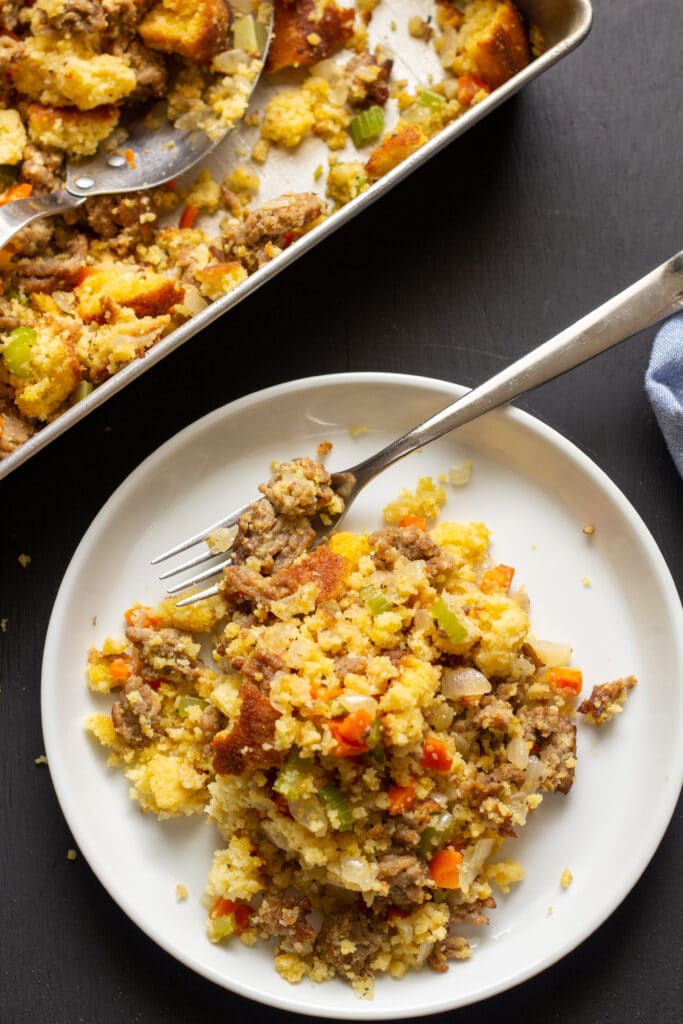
pixel 649 300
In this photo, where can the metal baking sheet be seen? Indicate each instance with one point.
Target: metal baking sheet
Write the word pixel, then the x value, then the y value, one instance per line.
pixel 563 24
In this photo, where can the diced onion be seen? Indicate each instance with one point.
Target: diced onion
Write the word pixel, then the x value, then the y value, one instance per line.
pixel 309 813
pixel 359 702
pixel 459 474
pixel 463 682
pixel 521 598
pixel 422 618
pixel 518 752
pixel 553 655
pixel 473 860
pixel 535 774
pixel 358 874
pixel 229 61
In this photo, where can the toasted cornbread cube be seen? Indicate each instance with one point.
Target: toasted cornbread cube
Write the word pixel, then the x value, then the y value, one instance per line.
pixel 394 148
pixel 12 137
pixel 493 43
pixel 75 131
pixel 105 348
pixel 196 29
pixel 121 284
pixel 306 31
pixel 67 72
pixel 51 374
pixel 219 279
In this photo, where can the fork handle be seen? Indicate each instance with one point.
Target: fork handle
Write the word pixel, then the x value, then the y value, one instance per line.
pixel 649 300
pixel 16 215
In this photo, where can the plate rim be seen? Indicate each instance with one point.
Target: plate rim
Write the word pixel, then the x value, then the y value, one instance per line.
pixel 666 586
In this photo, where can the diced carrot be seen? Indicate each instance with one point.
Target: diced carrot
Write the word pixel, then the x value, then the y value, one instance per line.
pixel 139 615
pixel 444 867
pixel 344 747
pixel 242 911
pixel 119 669
pixel 21 191
pixel 401 798
pixel 567 680
pixel 130 158
pixel 355 725
pixel 435 755
pixel 418 521
pixel 468 87
pixel 188 216
pixel 326 693
pixel 498 578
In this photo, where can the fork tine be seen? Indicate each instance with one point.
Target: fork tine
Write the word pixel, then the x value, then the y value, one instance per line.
pixel 190 564
pixel 209 592
pixel 205 575
pixel 231 520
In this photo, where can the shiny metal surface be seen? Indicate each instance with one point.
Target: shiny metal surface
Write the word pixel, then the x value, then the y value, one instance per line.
pixel 564 24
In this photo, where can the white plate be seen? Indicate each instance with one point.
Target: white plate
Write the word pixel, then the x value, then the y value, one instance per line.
pixel 536 491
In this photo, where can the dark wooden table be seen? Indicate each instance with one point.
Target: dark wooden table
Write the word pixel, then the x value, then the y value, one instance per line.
pixel 557 201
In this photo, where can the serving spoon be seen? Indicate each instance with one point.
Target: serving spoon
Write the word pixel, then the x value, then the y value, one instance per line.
pixel 154 152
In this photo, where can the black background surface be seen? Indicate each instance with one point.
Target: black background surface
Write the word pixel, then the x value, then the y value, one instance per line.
pixel 565 195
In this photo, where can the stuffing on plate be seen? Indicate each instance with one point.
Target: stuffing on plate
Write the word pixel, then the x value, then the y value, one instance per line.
pixel 85 293
pixel 375 722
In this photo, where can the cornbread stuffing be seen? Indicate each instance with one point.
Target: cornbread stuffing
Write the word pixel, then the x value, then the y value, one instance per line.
pixel 378 721
pixel 84 294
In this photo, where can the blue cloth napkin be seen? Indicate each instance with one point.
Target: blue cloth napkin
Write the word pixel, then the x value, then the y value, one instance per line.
pixel 664 384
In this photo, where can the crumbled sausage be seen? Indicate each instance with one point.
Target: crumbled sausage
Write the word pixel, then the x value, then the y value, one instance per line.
pixel 606 700
pixel 348 941
pixel 43 168
pixel 136 713
pixel 368 79
pixel 408 878
pixel 286 918
pixel 272 539
pixel 411 543
pixel 300 487
pixel 453 947
pixel 166 652
pixel 53 273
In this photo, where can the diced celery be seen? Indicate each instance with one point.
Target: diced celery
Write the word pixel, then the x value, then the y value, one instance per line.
pixel 337 807
pixel 185 703
pixel 291 777
pixel 448 621
pixel 431 99
pixel 376 601
pixel 436 835
pixel 81 392
pixel 244 34
pixel 367 125
pixel 17 350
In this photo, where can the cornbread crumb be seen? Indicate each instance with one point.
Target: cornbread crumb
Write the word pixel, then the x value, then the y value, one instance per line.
pixel 589 529
pixel 585 581
pixel 566 878
pixel 13 138
pixel 356 429
pixel 71 854
pixel 324 448
pixel 3 625
pixel 24 560
pixel 180 892
pixel 41 759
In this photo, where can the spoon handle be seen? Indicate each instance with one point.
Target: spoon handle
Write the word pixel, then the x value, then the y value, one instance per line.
pixel 649 300
pixel 16 215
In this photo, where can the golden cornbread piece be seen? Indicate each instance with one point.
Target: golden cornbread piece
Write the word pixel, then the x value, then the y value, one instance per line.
pixel 196 29
pixel 394 147
pixel 103 349
pixel 142 290
pixel 493 43
pixel 51 375
pixel 12 137
pixel 76 131
pixel 306 31
pixel 67 72
pixel 220 278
